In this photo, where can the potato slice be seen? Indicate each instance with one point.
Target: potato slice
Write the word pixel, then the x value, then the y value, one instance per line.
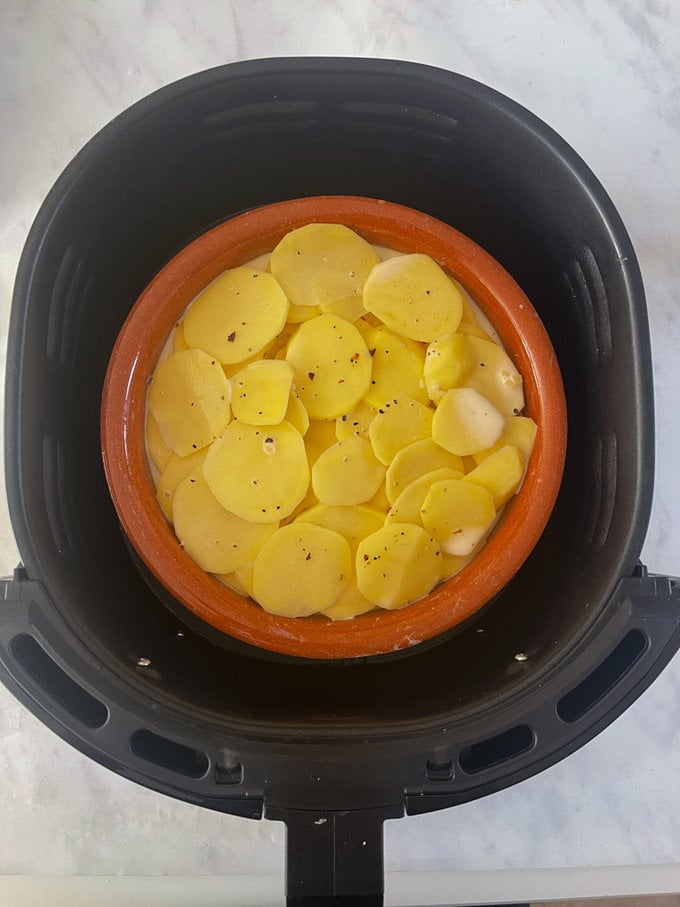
pixel 495 377
pixel 261 263
pixel 332 366
pixel 397 565
pixel 324 265
pixel 237 315
pixel 355 424
pixel 472 325
pixel 260 473
pixel 176 470
pixel 244 576
pixel 406 509
pixel 414 297
pixel 156 447
pixel 350 604
pixel 260 393
pixel 520 431
pixel 321 434
pixel 233 582
pixel 383 252
pixel 451 564
pixel 458 514
pixel 299 313
pixel 219 541
pixel 379 501
pixel 465 422
pixel 448 362
pixel 400 423
pixel 347 473
pixel 300 570
pixel 353 523
pixel 296 413
pixel 501 474
pixel 397 367
pixel 414 461
pixel 189 399
pixel 179 340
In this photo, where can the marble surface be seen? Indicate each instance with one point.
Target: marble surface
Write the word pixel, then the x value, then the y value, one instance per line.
pixel 606 75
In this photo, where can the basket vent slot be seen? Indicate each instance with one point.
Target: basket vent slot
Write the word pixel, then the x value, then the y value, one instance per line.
pixel 168 754
pixel 57 684
pixel 497 749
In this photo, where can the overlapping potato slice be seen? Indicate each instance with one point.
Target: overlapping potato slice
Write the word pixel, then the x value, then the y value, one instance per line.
pixel 407 507
pixel 465 422
pixel 260 393
pixel 500 473
pixel 347 473
pixel 156 447
pixel 397 565
pixel 401 422
pixel 496 377
pixel 176 470
pixel 414 461
pixel 448 362
pixel 397 367
pixel 458 514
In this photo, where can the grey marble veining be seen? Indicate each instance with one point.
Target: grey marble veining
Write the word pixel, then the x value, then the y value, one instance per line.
pixel 605 75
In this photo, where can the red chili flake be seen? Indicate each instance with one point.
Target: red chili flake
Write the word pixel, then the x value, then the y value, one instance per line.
pixel 372 352
pixel 232 337
pixel 354 357
pixel 311 375
pixel 366 557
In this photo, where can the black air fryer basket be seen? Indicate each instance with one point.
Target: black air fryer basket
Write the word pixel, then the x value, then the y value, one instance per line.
pixel 92 650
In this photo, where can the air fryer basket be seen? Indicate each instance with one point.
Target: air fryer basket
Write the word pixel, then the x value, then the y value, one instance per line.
pixel 91 649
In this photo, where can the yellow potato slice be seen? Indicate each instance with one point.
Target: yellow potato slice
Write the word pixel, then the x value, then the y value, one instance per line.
pixel 406 509
pixel 332 366
pixel 414 297
pixel 465 422
pixel 454 563
pixel 397 565
pixel 414 461
pixel 261 263
pixel 156 447
pixel 383 252
pixel 350 604
pixel 401 422
pixel 320 434
pixel 458 514
pixel 397 367
pixel 244 577
pixel 176 470
pixel 237 315
pixel 300 570
pixel 260 393
pixel 448 362
pixel 296 413
pixel 495 377
pixel 179 340
pixel 355 424
pixel 232 580
pixel 347 473
pixel 299 313
pixel 379 501
pixel 520 431
pixel 470 322
pixel 259 473
pixel 189 399
pixel 219 541
pixel 324 265
pixel 353 523
pixel 501 473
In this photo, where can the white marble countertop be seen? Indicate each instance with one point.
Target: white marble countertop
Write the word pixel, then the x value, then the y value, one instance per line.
pixel 604 74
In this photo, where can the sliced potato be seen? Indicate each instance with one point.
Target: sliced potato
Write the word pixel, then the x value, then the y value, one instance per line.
pixel 301 569
pixel 465 422
pixel 414 297
pixel 299 313
pixel 332 366
pixel 449 361
pixel 383 252
pixel 189 399
pixel 321 434
pixel 379 501
pixel 451 564
pixel 353 523
pixel 347 473
pixel 355 424
pixel 237 315
pixel 397 367
pixel 501 473
pixel 350 604
pixel 261 263
pixel 401 422
pixel 234 582
pixel 244 576
pixel 406 509
pixel 219 541
pixel 414 461
pixel 495 377
pixel 179 340
pixel 397 565
pixel 176 470
pixel 260 393
pixel 156 447
pixel 458 514
pixel 260 473
pixel 472 325
pixel 324 265
pixel 520 431
pixel 296 413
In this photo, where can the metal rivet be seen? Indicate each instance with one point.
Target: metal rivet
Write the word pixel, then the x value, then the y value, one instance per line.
pixel 143 662
pixel 521 656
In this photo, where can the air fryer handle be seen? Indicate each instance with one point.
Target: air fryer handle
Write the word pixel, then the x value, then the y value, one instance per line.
pixel 334 858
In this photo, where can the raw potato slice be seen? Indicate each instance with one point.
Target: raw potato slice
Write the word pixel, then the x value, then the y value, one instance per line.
pixel 397 367
pixel 501 474
pixel 353 523
pixel 397 565
pixel 414 297
pixel 458 514
pixel 454 563
pixel 179 340
pixel 470 323
pixel 299 313
pixel 400 423
pixel 296 413
pixel 324 265
pixel 496 378
pixel 300 570
pixel 379 501
pixel 520 431
pixel 384 253
pixel 350 604
pixel 216 539
pixel 321 434
pixel 156 447
pixel 465 422
pixel 406 508
pixel 244 576
pixel 237 315
pixel 260 392
pixel 347 473
pixel 414 461
pixel 260 473
pixel 355 424
pixel 232 580
pixel 448 362
pixel 176 470
pixel 189 399
pixel 332 366
pixel 261 263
